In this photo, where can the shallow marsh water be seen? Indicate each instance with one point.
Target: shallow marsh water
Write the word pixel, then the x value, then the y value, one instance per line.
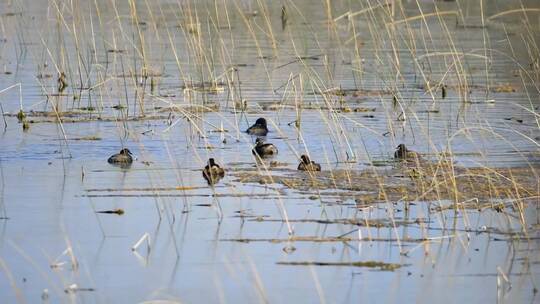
pixel 224 244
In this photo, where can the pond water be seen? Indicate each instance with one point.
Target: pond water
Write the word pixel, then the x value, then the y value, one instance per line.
pixel 179 82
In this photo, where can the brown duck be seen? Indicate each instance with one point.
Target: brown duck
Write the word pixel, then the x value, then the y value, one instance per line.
pixel 308 165
pixel 123 157
pixel 212 173
pixel 402 153
pixel 264 150
pixel 259 128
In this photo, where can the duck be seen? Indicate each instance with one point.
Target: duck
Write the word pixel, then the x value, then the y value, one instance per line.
pixel 264 150
pixel 122 157
pixel 308 165
pixel 403 153
pixel 259 128
pixel 212 172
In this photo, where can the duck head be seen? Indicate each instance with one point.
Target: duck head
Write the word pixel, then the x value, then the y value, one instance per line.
pixel 125 151
pixel 401 148
pixel 261 121
pixel 305 159
pixel 211 162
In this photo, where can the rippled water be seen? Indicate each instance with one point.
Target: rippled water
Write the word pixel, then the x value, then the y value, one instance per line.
pixel 51 188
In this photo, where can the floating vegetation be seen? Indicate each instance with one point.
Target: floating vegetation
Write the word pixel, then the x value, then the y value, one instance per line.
pixel 376 223
pixel 119 107
pixel 12 14
pixel 116 51
pixel 178 188
pixel 73 288
pixel 117 211
pixel 503 88
pixel 205 87
pixel 368 264
pixel 80 116
pixel 315 239
pixel 89 137
pixel 514 119
pixel 500 88
pixel 356 92
pixel 438 181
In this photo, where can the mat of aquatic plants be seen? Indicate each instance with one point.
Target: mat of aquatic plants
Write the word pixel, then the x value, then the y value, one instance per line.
pixel 454 219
